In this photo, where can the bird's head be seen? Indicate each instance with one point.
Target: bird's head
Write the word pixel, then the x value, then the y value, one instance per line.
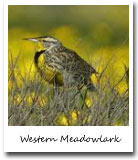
pixel 45 41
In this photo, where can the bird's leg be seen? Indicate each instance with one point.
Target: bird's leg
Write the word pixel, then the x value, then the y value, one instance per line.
pixel 56 87
pixel 83 97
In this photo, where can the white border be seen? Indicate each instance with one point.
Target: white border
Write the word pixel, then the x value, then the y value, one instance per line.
pixel 12 134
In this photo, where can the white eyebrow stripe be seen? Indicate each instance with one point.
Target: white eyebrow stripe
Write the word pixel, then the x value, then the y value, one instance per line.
pixel 51 39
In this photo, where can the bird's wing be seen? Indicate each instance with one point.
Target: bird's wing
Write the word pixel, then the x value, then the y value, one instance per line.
pixel 64 59
pixel 76 63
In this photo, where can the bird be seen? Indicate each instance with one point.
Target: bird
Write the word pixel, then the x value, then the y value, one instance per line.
pixel 61 66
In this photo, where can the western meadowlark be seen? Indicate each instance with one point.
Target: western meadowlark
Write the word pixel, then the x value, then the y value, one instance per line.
pixel 61 65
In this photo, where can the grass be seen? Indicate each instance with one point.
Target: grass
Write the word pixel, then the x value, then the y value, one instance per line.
pixel 33 102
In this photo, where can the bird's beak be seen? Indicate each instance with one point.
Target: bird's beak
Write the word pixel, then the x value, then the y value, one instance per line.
pixel 31 39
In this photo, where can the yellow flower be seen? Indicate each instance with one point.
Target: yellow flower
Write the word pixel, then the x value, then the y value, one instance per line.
pixel 42 101
pixel 29 100
pixel 62 120
pixel 88 101
pixel 74 115
pixel 18 99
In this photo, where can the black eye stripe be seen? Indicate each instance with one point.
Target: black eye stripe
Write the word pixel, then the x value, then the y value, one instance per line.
pixel 44 40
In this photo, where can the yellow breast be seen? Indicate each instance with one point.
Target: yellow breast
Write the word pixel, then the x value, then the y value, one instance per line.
pixel 48 73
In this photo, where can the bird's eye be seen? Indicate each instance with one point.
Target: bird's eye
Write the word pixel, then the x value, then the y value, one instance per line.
pixel 44 40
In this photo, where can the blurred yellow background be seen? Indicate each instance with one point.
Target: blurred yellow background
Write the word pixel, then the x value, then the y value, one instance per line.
pixel 96 33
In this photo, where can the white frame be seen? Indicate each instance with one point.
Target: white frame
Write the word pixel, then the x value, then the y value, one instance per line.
pixel 12 134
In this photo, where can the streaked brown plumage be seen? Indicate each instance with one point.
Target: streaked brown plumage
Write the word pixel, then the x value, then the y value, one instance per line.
pixel 65 66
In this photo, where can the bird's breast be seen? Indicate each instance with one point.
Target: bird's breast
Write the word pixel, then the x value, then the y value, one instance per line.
pixel 48 72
